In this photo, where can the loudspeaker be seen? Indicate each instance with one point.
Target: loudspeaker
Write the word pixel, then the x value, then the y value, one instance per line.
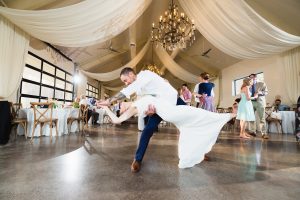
pixel 5 122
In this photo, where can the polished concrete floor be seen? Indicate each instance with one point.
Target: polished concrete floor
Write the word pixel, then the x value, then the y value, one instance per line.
pixel 98 167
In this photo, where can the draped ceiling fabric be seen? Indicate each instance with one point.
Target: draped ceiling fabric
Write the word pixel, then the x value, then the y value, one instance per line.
pixel 291 60
pixel 115 89
pixel 173 67
pixel 86 23
pixel 108 76
pixel 173 56
pixel 236 29
pixel 14 46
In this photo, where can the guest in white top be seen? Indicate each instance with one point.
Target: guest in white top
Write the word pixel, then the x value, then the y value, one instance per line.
pixel 144 83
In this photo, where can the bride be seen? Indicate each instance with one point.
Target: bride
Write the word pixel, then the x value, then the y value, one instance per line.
pixel 198 128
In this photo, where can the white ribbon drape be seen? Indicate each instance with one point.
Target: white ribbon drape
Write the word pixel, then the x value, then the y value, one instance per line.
pixel 236 29
pixel 14 46
pixel 108 76
pixel 86 23
pixel 291 60
pixel 173 67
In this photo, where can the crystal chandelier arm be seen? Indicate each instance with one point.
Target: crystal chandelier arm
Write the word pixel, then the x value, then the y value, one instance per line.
pixel 173 30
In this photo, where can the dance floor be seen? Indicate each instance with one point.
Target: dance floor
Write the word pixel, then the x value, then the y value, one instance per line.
pixel 98 167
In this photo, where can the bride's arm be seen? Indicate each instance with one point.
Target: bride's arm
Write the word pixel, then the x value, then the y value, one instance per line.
pixel 126 115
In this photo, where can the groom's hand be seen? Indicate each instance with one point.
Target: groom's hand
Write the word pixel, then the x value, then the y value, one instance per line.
pixel 151 110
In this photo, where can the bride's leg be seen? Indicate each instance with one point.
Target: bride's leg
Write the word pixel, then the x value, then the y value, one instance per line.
pixel 126 115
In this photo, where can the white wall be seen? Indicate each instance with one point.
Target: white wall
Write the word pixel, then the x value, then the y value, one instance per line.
pixel 81 89
pixel 272 68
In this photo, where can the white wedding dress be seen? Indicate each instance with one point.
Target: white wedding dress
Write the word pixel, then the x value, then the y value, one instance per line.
pixel 198 128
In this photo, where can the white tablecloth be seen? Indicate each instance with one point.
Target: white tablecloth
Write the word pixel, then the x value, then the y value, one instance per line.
pixel 61 114
pixel 288 122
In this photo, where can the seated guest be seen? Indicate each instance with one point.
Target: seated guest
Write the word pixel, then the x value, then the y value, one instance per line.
pixel 75 104
pixel 186 94
pixel 235 105
pixel 92 101
pixel 91 112
pixel 280 107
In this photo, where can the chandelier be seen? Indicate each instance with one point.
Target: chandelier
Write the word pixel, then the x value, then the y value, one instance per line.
pixel 174 30
pixel 152 67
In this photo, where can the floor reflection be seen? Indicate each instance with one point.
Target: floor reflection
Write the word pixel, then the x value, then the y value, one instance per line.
pixel 98 166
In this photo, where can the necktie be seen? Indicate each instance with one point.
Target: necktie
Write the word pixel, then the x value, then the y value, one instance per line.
pixel 252 90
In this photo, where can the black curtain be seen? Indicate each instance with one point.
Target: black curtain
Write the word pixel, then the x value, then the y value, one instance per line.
pixel 5 122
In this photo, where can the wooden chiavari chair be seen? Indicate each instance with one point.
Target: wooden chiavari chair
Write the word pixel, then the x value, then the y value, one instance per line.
pixel 82 117
pixel 270 119
pixel 41 117
pixel 15 108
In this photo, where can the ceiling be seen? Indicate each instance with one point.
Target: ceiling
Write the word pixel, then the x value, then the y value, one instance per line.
pixel 118 51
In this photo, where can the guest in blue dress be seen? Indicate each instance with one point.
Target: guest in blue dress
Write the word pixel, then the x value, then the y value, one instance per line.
pixel 245 109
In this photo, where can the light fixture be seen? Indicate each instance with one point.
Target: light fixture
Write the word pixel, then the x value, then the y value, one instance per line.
pixel 152 67
pixel 174 30
pixel 76 78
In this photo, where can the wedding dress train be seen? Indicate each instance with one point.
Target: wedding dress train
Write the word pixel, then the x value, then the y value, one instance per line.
pixel 198 128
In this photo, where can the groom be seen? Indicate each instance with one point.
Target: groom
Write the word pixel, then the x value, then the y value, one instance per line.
pixel 145 83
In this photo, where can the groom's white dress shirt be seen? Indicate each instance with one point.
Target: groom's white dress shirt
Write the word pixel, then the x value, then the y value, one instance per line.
pixel 149 83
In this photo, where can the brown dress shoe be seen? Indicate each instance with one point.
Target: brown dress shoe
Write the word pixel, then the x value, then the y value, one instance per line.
pixel 135 166
pixel 264 136
pixel 206 158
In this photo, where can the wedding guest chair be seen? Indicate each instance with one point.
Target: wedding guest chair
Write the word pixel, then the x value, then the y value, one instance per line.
pixel 220 110
pixel 41 117
pixel 82 117
pixel 273 117
pixel 107 121
pixel 15 108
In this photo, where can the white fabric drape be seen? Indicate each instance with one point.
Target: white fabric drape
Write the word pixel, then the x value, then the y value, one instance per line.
pixel 116 89
pixel 291 60
pixel 86 23
pixel 173 67
pixel 14 46
pixel 173 56
pixel 108 76
pixel 236 29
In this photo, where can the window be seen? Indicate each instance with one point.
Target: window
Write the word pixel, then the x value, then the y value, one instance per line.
pixel 237 84
pixel 91 91
pixel 42 80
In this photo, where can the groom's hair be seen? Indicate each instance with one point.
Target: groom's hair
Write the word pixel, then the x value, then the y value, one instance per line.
pixel 126 71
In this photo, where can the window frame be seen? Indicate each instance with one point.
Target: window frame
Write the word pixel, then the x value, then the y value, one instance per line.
pixel 40 84
pixel 88 91
pixel 234 84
